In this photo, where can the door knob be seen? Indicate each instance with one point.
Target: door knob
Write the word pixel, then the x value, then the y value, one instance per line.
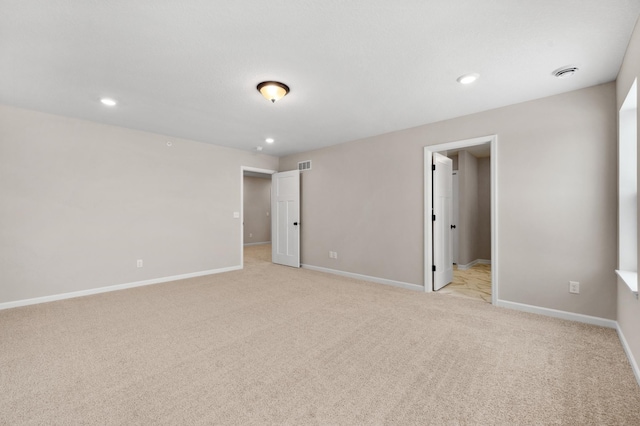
pixel 295 223
pixel 453 227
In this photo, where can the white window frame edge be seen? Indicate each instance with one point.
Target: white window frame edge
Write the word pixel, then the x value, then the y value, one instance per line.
pixel 428 207
pixel 242 170
pixel 630 278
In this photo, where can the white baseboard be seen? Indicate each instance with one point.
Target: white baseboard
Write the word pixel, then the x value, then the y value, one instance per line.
pixel 385 281
pixel 587 319
pixel 52 298
pixel 257 244
pixel 627 350
pixel 473 263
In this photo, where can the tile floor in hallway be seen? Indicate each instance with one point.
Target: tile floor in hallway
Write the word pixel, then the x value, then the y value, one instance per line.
pixel 474 282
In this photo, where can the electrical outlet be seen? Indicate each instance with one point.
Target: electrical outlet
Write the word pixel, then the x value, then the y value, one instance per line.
pixel 250 235
pixel 139 263
pixel 574 287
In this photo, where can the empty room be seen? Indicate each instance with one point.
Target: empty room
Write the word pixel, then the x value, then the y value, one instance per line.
pixel 364 212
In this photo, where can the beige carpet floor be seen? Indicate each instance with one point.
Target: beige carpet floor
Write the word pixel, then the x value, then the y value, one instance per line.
pixel 277 345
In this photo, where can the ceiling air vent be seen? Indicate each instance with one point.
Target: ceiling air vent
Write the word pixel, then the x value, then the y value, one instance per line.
pixel 304 165
pixel 565 72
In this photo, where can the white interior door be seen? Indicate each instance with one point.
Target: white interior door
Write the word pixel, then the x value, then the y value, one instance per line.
pixel 285 218
pixel 454 222
pixel 442 221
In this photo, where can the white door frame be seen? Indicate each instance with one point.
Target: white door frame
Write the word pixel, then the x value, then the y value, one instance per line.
pixel 428 207
pixel 242 170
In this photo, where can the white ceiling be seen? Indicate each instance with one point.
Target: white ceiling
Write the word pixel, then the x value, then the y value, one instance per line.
pixel 190 68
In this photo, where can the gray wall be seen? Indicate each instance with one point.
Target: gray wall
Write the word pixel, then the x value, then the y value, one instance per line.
pixel 257 207
pixel 82 201
pixel 364 199
pixel 468 202
pixel 628 306
pixel 454 160
pixel 474 229
pixel 483 249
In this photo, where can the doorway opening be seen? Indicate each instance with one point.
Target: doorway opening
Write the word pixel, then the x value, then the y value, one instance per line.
pixel 255 198
pixel 469 238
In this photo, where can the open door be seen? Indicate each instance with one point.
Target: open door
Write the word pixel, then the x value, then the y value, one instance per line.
pixel 285 218
pixel 442 221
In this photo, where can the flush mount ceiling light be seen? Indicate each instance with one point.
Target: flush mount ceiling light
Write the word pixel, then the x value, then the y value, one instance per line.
pixel 565 72
pixel 108 102
pixel 269 140
pixel 468 78
pixel 273 90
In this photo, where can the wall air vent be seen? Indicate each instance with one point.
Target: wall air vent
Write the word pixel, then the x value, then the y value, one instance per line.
pixel 565 72
pixel 304 165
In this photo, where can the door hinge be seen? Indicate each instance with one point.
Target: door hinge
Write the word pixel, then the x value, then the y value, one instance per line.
pixel 434 217
pixel 433 167
pixel 433 268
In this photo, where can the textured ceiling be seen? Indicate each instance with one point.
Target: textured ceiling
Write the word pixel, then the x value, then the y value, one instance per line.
pixel 359 68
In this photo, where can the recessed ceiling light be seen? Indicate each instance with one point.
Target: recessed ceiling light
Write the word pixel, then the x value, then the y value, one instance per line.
pixel 269 140
pixel 108 102
pixel 468 78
